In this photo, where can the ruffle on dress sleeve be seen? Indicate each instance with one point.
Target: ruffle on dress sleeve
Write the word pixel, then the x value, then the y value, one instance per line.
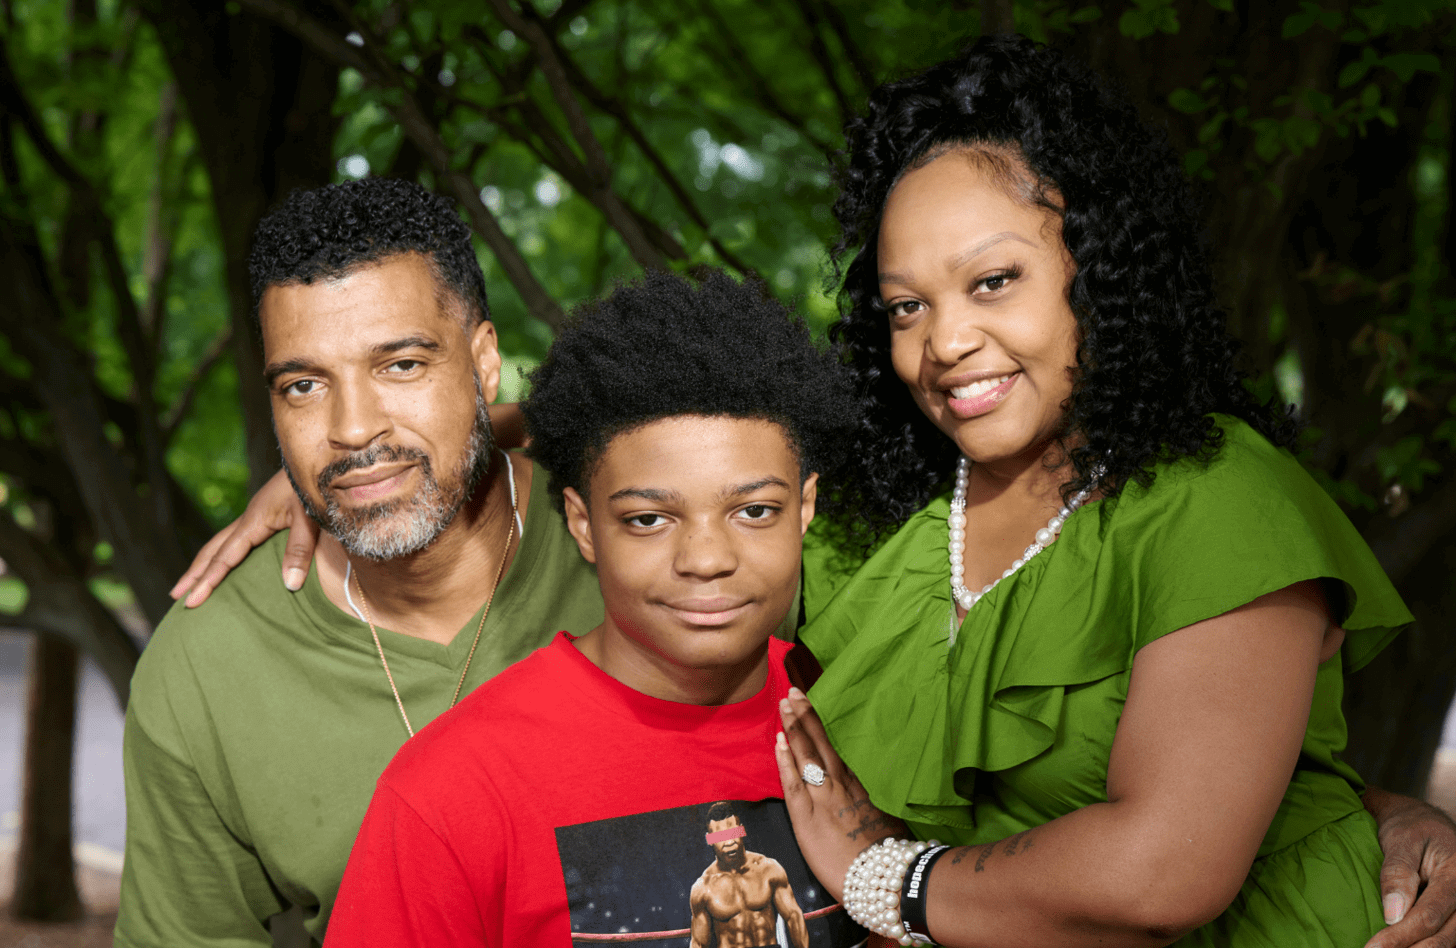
pixel 914 710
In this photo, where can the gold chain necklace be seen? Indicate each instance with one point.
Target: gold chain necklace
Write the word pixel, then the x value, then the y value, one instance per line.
pixel 364 603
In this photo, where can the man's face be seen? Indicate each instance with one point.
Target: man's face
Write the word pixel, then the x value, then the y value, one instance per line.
pixel 379 401
pixel 696 526
pixel 728 850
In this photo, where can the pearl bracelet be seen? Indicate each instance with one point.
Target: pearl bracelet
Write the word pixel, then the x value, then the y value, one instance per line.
pixel 873 883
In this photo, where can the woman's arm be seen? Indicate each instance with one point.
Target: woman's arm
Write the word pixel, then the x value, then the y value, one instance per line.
pixel 1205 748
pixel 276 507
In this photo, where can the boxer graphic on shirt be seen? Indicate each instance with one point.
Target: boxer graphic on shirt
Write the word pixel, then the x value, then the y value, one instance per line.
pixel 739 898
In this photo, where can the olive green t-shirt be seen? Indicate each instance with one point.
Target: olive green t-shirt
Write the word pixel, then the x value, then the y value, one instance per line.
pixel 260 721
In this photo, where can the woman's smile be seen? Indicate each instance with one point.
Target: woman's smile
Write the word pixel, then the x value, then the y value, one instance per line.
pixel 974 280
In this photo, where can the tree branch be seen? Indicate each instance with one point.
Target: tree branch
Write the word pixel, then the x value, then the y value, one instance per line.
pixel 61 603
pixel 598 172
pixel 820 54
pixel 852 52
pixel 733 59
pixel 618 111
pixel 178 412
pixel 1400 544
pixel 427 138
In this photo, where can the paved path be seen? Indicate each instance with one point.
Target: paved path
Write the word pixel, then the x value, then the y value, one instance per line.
pixel 100 810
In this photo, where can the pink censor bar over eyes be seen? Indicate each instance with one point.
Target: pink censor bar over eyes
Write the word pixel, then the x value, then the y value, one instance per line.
pixel 722 836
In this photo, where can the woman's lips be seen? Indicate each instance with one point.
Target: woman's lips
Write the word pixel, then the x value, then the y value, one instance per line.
pixel 979 399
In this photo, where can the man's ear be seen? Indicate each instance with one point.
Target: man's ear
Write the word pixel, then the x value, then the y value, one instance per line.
pixel 578 521
pixel 485 354
pixel 807 496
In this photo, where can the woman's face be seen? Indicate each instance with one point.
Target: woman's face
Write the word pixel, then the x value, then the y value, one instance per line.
pixel 974 281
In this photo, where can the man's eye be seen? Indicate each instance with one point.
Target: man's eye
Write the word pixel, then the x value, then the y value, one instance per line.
pixel 301 387
pixel 645 520
pixel 758 511
pixel 404 365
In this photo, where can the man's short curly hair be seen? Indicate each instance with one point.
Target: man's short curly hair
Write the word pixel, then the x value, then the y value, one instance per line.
pixel 663 347
pixel 330 231
pixel 1154 357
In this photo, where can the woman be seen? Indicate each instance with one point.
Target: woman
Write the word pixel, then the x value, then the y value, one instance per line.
pixel 1029 294
pixel 1102 724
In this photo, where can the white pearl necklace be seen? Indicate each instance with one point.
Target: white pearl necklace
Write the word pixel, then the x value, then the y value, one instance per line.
pixel 957 524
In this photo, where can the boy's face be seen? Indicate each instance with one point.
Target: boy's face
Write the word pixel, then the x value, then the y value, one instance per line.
pixel 696 526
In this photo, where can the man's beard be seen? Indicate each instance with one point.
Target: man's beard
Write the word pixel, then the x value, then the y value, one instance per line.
pixel 395 528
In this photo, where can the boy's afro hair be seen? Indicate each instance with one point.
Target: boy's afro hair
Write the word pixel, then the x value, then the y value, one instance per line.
pixel 662 347
pixel 330 231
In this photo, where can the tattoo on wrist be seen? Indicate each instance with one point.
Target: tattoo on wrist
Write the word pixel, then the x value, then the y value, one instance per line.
pixel 872 821
pixel 1019 843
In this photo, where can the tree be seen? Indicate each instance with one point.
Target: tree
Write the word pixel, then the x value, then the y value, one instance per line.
pixel 587 139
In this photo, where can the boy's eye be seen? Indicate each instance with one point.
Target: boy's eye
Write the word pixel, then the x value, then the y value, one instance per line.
pixel 645 520
pixel 758 511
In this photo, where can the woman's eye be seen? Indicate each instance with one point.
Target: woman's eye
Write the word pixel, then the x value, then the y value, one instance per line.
pixel 903 308
pixel 996 282
pixel 645 520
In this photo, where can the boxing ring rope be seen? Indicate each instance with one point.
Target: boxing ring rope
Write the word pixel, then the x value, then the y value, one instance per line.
pixel 622 937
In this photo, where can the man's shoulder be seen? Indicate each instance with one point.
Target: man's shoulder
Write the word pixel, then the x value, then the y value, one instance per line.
pixel 250 601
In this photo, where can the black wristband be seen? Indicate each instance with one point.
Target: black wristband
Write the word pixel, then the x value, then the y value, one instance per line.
pixel 912 894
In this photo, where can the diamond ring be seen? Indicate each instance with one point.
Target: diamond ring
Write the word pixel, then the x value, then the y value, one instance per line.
pixel 813 775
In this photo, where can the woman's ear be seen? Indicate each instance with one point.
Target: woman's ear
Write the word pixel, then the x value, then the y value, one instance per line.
pixel 578 521
pixel 807 495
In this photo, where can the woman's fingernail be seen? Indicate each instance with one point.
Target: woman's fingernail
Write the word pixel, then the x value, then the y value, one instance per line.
pixel 293 578
pixel 1394 908
pixel 795 692
pixel 780 742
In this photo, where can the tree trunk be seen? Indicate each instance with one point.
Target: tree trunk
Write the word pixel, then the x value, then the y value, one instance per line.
pixel 261 105
pixel 45 873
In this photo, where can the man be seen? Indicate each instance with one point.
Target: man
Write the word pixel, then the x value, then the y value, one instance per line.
pixel 260 720
pixel 683 427
pixel 741 895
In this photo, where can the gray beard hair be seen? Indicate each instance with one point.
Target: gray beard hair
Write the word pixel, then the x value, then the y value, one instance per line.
pixel 392 529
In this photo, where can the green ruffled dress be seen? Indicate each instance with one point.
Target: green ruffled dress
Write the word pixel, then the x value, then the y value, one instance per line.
pixel 975 733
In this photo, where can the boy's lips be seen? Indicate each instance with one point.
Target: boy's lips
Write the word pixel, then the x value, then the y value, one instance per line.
pixel 708 611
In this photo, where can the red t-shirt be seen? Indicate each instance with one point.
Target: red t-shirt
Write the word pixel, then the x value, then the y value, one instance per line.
pixel 557 806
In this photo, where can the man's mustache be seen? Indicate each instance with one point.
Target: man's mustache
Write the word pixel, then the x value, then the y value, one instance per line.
pixel 368 458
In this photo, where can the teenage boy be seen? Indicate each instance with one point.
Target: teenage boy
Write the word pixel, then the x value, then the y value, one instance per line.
pixel 684 428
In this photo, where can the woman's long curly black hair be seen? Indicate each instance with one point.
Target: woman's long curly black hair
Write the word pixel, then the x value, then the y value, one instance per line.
pixel 1154 357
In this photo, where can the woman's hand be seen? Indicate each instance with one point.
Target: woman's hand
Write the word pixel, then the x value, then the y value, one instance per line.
pixel 835 821
pixel 275 507
pixel 1420 850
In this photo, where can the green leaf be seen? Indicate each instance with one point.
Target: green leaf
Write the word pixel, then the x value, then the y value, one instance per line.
pixel 1387 116
pixel 1297 24
pixel 1187 101
pixel 1226 6
pixel 1406 65
pixel 1136 24
pixel 1370 96
pixel 1194 162
pixel 1353 73
pixel 1085 15
pixel 1268 140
